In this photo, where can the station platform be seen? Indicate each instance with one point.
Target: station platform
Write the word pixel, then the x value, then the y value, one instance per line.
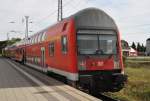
pixel 20 83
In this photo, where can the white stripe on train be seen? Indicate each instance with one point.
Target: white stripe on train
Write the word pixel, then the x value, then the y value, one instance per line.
pixel 70 76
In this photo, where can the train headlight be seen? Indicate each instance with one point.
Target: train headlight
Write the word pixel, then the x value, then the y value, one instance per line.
pixel 122 72
pixel 93 64
pixel 82 65
pixel 100 63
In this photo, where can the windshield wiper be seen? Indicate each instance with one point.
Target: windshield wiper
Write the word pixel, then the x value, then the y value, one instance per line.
pixel 99 51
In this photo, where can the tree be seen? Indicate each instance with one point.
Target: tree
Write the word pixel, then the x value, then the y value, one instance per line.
pixel 3 44
pixel 133 46
pixel 139 47
pixel 13 40
pixel 143 48
pixel 124 44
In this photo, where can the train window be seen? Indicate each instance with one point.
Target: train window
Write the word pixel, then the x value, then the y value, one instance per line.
pixel 28 41
pixel 64 44
pixel 36 39
pixel 107 43
pixel 31 40
pixel 20 51
pixel 87 44
pixel 97 44
pixel 23 42
pixel 39 37
pixel 43 36
pixel 65 26
pixel 51 49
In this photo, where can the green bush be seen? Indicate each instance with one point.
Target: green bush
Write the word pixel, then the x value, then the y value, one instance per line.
pixel 124 60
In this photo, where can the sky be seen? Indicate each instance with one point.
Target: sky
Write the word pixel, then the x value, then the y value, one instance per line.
pixel 132 16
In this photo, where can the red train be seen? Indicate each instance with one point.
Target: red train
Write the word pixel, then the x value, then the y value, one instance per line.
pixel 85 48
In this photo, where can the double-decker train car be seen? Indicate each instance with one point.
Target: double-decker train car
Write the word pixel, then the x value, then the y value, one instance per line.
pixel 85 48
pixel 8 51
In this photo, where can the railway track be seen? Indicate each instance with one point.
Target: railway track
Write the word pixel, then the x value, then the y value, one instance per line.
pixel 101 96
pixel 105 98
pixel 46 81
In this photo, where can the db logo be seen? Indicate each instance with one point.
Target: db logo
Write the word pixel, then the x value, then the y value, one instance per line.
pixel 100 63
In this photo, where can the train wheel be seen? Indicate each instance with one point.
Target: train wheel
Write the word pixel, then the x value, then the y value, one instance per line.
pixel 72 83
pixel 93 91
pixel 92 88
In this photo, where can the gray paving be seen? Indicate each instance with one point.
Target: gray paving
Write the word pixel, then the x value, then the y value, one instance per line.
pixel 14 86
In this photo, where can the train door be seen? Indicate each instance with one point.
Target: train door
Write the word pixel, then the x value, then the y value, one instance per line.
pixel 23 56
pixel 43 59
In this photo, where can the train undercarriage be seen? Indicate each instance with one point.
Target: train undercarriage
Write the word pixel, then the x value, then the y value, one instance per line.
pixel 102 81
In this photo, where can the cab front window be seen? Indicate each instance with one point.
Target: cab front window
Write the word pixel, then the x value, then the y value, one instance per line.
pixel 96 44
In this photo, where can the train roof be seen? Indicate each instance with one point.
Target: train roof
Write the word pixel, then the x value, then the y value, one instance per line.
pixel 86 18
pixel 89 17
pixel 94 18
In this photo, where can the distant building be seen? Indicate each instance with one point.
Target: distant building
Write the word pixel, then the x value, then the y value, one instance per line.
pixel 132 52
pixel 148 47
pixel 127 50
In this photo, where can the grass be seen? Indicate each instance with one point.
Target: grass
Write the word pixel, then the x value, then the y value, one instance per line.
pixel 139 58
pixel 138 86
pixel 138 62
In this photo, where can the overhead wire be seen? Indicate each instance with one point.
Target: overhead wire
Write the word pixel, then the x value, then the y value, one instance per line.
pixel 52 14
pixel 76 5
